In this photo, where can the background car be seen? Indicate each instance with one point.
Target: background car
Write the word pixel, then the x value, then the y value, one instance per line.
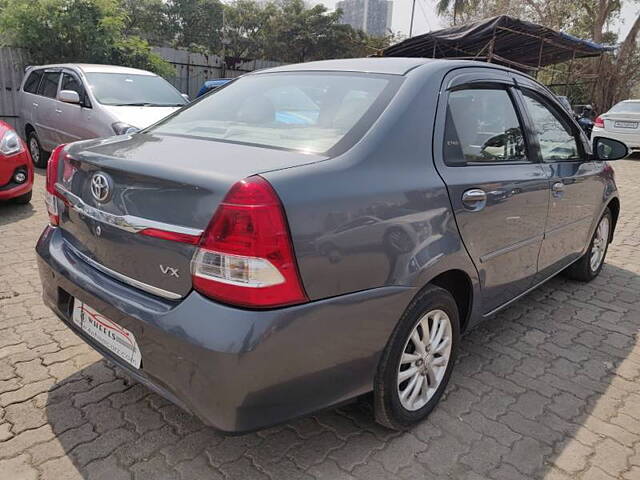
pixel 212 85
pixel 16 168
pixel 68 102
pixel 621 122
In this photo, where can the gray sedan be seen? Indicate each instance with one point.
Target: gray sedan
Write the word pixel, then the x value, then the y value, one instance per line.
pixel 315 232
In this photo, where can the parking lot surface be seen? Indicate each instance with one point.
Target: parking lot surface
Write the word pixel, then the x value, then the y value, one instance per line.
pixel 550 388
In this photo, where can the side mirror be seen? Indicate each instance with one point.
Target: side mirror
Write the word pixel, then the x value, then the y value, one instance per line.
pixel 186 97
pixel 609 149
pixel 69 96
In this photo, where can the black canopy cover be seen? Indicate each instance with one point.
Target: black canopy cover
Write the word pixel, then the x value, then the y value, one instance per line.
pixel 502 39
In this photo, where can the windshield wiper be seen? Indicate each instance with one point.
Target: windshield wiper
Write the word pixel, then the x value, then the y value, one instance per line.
pixel 148 104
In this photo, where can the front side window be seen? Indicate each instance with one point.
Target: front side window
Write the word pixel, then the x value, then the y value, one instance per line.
pixel 71 82
pixel 123 89
pixel 309 112
pixel 31 85
pixel 557 143
pixel 49 85
pixel 482 127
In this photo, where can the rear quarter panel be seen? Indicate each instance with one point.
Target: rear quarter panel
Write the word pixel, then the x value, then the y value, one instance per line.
pixel 389 180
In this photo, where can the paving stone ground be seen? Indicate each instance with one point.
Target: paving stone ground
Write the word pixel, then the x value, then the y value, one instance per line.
pixel 548 389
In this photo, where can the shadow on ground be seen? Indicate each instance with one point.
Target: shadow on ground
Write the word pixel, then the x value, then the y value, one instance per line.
pixel 535 390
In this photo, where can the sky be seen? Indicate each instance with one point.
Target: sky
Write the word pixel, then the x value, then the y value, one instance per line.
pixel 425 18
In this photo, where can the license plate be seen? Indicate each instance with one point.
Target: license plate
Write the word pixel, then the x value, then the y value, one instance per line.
pixel 626 124
pixel 107 333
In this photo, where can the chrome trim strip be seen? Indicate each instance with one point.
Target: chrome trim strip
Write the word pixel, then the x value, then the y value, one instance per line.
pixel 510 248
pixel 123 278
pixel 130 223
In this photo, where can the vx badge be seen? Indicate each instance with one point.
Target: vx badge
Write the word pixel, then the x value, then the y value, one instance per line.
pixel 172 272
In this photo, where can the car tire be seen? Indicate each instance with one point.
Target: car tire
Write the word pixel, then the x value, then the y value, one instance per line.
pixel 396 405
pixel 38 155
pixel 590 264
pixel 24 199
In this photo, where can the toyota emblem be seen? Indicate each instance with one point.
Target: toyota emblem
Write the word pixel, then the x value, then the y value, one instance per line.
pixel 101 187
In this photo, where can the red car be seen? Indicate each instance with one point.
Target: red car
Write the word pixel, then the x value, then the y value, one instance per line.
pixel 16 168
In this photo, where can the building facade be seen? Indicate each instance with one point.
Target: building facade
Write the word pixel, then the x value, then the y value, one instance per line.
pixel 372 16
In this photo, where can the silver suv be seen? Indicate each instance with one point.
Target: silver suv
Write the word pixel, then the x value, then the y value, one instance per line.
pixel 68 102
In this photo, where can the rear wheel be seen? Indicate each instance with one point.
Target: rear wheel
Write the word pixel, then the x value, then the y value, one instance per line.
pixel 418 360
pixel 24 199
pixel 590 264
pixel 38 155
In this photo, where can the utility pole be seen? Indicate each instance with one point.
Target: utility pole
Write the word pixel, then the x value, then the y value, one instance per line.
pixel 413 9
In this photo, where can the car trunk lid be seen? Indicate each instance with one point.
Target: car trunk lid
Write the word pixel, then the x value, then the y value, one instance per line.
pixel 622 122
pixel 166 183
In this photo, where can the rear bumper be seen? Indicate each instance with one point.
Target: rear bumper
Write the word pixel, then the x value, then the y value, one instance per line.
pixel 238 370
pixel 632 140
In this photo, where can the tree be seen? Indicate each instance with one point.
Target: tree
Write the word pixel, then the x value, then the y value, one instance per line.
pixel 147 19
pixel 195 23
pixel 76 31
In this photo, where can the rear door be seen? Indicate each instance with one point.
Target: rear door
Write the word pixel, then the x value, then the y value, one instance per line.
pixel 497 188
pixel 576 188
pixel 44 115
pixel 29 98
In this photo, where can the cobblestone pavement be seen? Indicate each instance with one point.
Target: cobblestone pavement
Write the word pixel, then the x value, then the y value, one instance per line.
pixel 548 389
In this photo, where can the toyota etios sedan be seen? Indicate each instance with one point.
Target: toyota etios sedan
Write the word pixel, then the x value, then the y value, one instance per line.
pixel 314 232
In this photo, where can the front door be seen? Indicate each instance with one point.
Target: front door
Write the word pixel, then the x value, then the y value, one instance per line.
pixel 576 189
pixel 74 120
pixel 498 192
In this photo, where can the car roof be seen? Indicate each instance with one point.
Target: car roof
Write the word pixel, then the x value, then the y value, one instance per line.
pixel 631 100
pixel 388 65
pixel 381 65
pixel 95 68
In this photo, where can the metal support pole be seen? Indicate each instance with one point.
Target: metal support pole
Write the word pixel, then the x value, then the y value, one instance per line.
pixel 413 10
pixel 566 89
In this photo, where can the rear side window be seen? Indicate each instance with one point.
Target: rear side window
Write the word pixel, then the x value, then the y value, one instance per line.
pixel 629 107
pixel 49 84
pixel 482 127
pixel 32 82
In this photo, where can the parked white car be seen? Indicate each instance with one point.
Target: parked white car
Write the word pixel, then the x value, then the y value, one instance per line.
pixel 621 122
pixel 68 102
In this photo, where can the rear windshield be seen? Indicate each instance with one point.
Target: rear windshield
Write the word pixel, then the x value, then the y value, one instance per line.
pixel 631 107
pixel 308 112
pixel 133 90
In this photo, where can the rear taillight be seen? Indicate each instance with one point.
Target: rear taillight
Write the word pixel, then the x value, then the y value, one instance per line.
pixel 598 122
pixel 246 255
pixel 52 177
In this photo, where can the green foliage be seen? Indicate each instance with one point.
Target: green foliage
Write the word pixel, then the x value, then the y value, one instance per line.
pixel 76 31
pixel 120 31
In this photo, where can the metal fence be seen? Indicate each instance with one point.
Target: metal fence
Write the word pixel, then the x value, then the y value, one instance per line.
pixel 193 69
pixel 12 64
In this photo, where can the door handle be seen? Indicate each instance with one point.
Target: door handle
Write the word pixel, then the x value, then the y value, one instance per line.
pixel 557 189
pixel 35 105
pixel 58 110
pixel 474 199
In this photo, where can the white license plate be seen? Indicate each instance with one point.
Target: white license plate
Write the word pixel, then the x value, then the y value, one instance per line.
pixel 107 333
pixel 626 124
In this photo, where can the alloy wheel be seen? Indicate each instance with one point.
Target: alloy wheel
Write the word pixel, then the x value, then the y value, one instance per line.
pixel 424 359
pixel 34 150
pixel 599 246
